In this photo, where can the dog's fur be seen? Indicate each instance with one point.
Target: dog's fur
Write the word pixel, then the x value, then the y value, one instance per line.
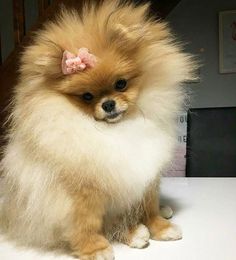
pixel 71 176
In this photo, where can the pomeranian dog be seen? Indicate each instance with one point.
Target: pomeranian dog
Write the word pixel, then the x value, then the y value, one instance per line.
pixel 92 127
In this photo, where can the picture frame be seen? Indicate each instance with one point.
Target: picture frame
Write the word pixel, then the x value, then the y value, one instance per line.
pixel 227 42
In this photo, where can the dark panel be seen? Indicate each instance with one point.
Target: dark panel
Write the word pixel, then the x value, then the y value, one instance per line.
pixel 211 142
pixel 31 13
pixel 0 50
pixel 19 20
pixel 7 28
pixel 42 6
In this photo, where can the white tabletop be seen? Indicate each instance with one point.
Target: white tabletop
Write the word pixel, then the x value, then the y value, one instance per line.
pixel 205 209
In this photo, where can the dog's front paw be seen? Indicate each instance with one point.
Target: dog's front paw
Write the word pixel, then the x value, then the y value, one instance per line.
pixel 173 232
pixel 105 254
pixel 162 229
pixel 93 247
pixel 140 237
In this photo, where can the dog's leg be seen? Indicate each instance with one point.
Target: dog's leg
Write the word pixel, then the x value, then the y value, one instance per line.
pixel 86 240
pixel 159 227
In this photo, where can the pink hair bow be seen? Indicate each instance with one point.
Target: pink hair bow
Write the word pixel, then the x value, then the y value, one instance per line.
pixel 73 63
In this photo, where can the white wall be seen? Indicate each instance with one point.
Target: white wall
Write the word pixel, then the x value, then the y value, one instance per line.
pixel 196 22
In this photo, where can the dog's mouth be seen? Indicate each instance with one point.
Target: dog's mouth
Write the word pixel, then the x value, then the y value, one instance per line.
pixel 114 117
pixel 111 117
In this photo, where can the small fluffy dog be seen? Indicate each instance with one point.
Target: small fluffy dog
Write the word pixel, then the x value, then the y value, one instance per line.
pixel 92 126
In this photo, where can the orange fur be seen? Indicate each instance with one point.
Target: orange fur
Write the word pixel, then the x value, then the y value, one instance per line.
pixel 89 209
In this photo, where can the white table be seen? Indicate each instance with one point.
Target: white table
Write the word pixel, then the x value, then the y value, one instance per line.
pixel 204 208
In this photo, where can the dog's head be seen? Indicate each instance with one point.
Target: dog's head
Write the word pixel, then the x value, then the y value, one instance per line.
pixel 103 57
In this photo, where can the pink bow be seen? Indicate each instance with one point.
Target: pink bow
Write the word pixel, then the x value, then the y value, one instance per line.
pixel 72 63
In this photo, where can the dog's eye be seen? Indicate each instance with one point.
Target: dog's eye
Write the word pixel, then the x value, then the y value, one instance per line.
pixel 87 96
pixel 120 85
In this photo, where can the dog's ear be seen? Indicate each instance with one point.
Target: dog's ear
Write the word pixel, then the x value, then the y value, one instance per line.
pixel 128 38
pixel 130 14
pixel 126 25
pixel 42 59
pixel 131 26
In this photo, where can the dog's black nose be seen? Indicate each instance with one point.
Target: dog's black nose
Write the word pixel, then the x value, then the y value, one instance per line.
pixel 108 105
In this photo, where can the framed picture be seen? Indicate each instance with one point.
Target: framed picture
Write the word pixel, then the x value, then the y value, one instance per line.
pixel 227 41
